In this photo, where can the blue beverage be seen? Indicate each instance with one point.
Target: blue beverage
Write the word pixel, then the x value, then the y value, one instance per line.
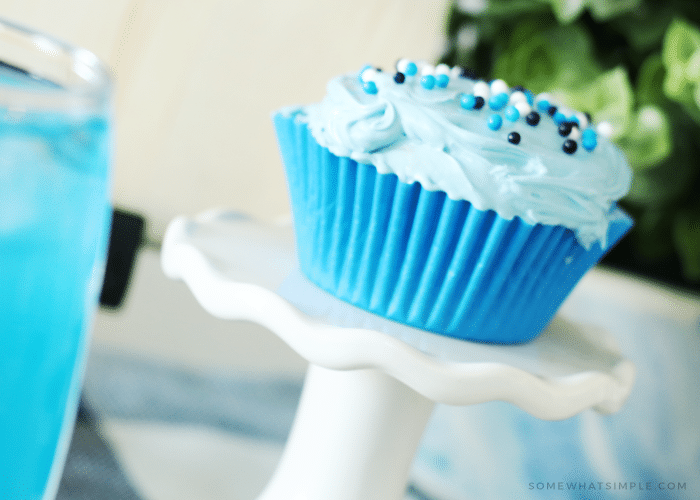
pixel 54 221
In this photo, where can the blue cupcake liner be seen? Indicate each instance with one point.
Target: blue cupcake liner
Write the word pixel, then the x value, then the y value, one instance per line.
pixel 420 258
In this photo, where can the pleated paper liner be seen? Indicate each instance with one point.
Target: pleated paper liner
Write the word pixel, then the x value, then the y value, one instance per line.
pixel 420 258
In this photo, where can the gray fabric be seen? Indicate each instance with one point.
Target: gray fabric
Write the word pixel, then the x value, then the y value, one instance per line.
pixel 134 388
pixel 126 387
pixel 91 471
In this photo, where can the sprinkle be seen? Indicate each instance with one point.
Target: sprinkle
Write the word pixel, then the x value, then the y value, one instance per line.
pixel 523 108
pixel 370 87
pixel 543 105
pixel 427 69
pixel 479 102
pixel 533 118
pixel 569 146
pixel 518 88
pixel 589 139
pixel 551 110
pixel 605 129
pixel 514 138
pixel 482 89
pixel 573 119
pixel 368 74
pixel 583 120
pixel 575 133
pixel 494 122
pixel 360 75
pixel 564 128
pixel 544 96
pixel 442 69
pixel 530 97
pixel 498 101
pixel 468 73
pixel 468 101
pixel 442 80
pixel 406 67
pixel 499 87
pixel 517 96
pixel 511 113
pixel 559 117
pixel 427 82
pixel 399 77
pixel 456 71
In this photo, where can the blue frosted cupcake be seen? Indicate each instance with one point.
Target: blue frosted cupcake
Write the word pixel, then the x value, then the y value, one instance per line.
pixel 461 207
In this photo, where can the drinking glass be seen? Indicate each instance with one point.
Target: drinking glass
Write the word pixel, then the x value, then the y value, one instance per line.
pixel 55 158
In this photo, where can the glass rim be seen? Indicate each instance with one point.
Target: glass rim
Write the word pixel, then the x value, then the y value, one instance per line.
pixel 77 79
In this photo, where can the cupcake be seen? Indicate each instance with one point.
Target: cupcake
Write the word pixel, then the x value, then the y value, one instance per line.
pixel 463 207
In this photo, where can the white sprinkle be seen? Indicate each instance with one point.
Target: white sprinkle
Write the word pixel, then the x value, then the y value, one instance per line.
pixel 523 107
pixel 428 69
pixel 401 65
pixel 499 87
pixel 568 112
pixel 442 69
pixel 575 133
pixel 543 96
pixel 456 72
pixel 605 129
pixel 368 75
pixel 582 120
pixel 517 96
pixel 482 89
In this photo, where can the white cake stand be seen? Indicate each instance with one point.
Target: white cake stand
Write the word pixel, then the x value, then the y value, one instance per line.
pixel 372 384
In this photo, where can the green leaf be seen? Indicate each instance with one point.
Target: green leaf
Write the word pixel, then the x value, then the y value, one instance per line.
pixel 647 142
pixel 681 57
pixel 608 98
pixel 686 237
pixel 542 59
pixel 567 11
pixel 650 81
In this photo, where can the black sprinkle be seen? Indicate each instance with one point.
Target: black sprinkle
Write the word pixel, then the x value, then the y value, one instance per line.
pixel 532 118
pixel 569 146
pixel 519 88
pixel 479 102
pixel 468 73
pixel 565 128
pixel 399 77
pixel 588 117
pixel 552 110
pixel 514 138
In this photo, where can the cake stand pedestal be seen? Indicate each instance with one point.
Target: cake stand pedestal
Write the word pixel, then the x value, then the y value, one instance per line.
pixel 372 383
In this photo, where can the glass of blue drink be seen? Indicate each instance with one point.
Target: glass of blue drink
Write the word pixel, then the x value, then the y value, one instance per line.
pixel 55 156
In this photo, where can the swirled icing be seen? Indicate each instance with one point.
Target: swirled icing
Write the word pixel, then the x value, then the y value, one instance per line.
pixel 425 136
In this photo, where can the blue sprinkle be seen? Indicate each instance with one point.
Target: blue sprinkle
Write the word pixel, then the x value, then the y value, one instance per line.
pixel 442 80
pixel 543 105
pixel 427 82
pixel 370 87
pixel 512 114
pixel 559 117
pixel 573 119
pixel 530 97
pixel 589 139
pixel 467 101
pixel 494 122
pixel 411 69
pixel 498 101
